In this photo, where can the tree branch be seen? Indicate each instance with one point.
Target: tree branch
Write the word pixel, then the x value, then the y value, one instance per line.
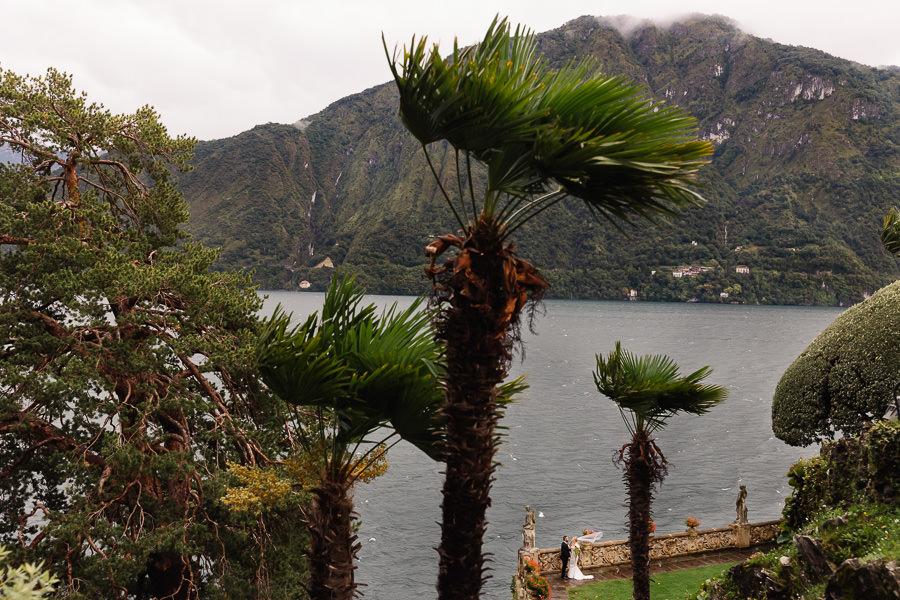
pixel 46 433
pixel 15 241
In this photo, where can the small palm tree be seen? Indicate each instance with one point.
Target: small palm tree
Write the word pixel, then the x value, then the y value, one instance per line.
pixel 530 137
pixel 350 374
pixel 648 390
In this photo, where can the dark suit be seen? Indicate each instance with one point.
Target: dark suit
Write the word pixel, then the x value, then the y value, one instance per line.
pixel 564 553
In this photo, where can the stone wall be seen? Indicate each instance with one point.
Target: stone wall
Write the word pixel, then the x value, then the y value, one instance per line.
pixel 616 552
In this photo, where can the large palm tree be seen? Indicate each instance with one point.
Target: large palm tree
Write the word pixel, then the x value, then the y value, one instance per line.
pixel 648 390
pixel 359 382
pixel 538 136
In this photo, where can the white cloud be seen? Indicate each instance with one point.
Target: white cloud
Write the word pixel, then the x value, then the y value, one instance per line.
pixel 214 69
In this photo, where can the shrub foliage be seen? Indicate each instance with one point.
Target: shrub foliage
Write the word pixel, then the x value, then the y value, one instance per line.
pixel 845 503
pixel 850 470
pixel 845 377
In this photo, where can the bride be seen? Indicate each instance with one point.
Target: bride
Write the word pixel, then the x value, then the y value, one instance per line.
pixel 574 572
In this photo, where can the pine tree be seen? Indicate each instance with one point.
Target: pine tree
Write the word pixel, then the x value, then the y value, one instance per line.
pixel 126 378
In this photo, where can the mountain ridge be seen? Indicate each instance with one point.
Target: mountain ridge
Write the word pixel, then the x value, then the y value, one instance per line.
pixel 806 163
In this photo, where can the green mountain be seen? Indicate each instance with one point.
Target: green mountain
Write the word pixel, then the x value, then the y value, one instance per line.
pixel 806 165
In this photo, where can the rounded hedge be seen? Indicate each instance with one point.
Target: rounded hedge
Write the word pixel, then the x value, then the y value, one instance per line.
pixel 845 377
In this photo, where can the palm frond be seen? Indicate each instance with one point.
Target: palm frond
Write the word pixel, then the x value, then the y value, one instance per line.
pixel 294 362
pixel 509 390
pixel 598 138
pixel 341 310
pixel 890 232
pixel 367 371
pixel 650 388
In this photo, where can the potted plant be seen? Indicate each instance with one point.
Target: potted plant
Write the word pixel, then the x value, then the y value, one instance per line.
pixel 692 524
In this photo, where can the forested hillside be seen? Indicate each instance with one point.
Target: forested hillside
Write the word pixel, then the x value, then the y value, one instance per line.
pixel 807 163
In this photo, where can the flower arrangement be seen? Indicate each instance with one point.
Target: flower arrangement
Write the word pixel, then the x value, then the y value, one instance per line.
pixel 651 526
pixel 539 585
pixel 536 582
pixel 691 522
pixel 587 532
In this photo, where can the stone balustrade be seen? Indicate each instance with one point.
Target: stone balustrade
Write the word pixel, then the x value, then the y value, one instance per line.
pixel 739 534
pixel 616 552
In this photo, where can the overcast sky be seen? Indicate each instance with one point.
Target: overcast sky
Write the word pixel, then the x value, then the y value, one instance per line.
pixel 215 68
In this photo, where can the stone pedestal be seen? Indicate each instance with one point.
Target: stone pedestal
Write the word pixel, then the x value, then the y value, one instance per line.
pixel 521 592
pixel 742 535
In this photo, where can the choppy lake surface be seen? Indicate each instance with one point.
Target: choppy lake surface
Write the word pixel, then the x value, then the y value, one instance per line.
pixel 561 437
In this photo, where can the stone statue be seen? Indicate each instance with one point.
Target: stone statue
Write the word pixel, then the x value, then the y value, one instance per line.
pixel 528 529
pixel 741 507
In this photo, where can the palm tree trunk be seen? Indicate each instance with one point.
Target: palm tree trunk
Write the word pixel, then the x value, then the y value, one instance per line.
pixel 475 327
pixel 333 544
pixel 471 419
pixel 639 478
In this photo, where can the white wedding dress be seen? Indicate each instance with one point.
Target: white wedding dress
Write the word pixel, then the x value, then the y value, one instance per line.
pixel 574 572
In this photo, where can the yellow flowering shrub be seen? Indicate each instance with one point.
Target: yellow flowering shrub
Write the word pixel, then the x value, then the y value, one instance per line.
pixel 258 487
pixel 375 464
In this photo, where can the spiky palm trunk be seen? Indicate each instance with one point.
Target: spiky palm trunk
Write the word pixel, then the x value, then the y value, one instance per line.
pixel 471 442
pixel 645 465
pixel 542 136
pixel 638 481
pixel 479 324
pixel 333 545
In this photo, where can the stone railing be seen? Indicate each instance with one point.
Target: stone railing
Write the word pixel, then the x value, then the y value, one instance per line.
pixel 616 552
pixel 740 534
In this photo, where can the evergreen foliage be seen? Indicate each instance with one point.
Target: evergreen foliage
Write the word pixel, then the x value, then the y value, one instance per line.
pixel 845 378
pixel 869 467
pixel 126 364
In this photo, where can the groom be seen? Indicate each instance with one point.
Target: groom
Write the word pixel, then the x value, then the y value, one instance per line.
pixel 564 555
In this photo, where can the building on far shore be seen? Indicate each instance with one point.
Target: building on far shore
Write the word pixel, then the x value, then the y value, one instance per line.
pixel 691 271
pixel 742 269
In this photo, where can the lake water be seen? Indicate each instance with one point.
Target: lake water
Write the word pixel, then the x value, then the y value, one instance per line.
pixel 561 437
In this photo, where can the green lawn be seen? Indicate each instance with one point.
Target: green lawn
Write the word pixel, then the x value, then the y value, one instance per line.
pixel 674 585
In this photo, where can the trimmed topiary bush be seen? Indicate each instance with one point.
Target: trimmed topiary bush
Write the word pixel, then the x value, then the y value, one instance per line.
pixel 845 377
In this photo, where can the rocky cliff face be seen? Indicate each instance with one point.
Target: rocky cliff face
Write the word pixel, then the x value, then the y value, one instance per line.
pixel 805 167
